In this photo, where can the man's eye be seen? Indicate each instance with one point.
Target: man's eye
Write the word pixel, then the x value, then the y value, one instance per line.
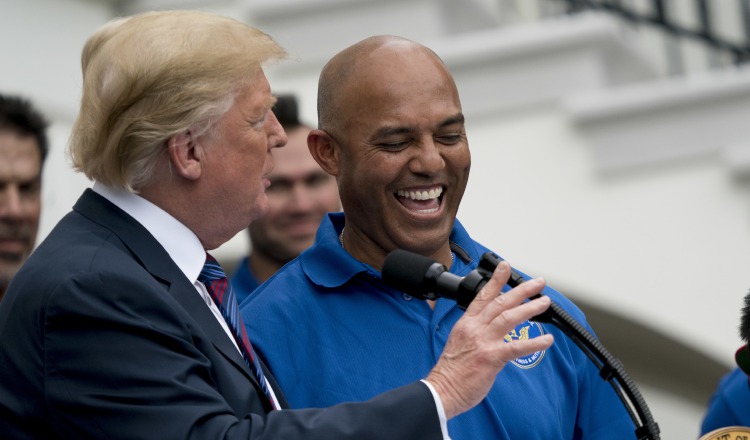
pixel 278 187
pixel 259 123
pixel 394 146
pixel 450 139
pixel 30 188
pixel 317 180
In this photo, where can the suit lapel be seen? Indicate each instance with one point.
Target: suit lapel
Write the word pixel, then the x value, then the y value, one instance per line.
pixel 155 259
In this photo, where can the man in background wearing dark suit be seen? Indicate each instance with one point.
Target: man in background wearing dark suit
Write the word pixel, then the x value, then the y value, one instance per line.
pixel 121 326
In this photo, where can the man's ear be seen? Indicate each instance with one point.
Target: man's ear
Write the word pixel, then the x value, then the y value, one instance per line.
pixel 324 151
pixel 186 155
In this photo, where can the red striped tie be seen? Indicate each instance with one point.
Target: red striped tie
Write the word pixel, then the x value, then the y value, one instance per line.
pixel 221 292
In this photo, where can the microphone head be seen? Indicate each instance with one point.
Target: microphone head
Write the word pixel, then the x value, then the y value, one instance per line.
pixel 406 271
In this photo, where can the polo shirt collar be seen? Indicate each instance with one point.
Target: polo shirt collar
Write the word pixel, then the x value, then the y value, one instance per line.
pixel 316 261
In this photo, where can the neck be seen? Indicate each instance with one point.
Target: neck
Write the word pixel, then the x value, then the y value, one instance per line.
pixel 262 266
pixel 374 255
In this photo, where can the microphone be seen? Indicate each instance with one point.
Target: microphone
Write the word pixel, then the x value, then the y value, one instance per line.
pixel 425 278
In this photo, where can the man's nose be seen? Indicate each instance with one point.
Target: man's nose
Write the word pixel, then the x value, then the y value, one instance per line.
pixel 10 202
pixel 277 136
pixel 301 198
pixel 428 159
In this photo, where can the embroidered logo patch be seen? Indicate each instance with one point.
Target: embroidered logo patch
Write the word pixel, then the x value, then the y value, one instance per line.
pixel 523 331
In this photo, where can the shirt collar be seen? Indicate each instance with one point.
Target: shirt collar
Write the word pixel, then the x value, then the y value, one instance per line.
pixel 317 265
pixel 181 243
pixel 316 261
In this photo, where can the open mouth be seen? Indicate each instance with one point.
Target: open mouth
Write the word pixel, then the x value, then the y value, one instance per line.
pixel 426 201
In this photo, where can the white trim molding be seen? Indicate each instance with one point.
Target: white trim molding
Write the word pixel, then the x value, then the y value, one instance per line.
pixel 667 120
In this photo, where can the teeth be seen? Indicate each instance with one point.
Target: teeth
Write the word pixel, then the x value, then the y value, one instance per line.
pixel 421 195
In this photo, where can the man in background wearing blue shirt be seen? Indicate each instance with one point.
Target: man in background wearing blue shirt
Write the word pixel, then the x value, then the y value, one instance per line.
pixel 391 130
pixel 730 404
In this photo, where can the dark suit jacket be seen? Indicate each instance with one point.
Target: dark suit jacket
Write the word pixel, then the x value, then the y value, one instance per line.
pixel 103 337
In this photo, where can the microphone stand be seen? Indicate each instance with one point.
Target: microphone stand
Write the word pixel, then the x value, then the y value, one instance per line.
pixel 610 368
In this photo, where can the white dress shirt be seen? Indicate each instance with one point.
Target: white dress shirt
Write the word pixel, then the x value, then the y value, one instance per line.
pixel 181 244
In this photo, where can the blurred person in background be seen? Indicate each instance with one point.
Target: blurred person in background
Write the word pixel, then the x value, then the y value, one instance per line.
pixel 23 148
pixel 730 404
pixel 299 196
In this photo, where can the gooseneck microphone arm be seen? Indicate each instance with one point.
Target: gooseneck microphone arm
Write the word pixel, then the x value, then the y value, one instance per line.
pixel 428 279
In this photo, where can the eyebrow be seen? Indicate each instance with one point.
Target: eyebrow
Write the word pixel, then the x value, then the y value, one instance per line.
pixel 457 119
pixel 307 174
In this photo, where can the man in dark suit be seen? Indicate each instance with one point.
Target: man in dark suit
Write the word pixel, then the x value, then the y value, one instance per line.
pixel 120 326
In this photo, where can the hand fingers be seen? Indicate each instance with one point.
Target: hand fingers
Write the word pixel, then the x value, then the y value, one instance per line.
pixel 506 302
pixel 493 287
pixel 510 318
pixel 517 348
pixel 488 303
pixel 476 349
pixel 507 319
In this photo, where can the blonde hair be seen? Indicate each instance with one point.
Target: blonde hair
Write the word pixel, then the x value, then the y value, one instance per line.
pixel 151 76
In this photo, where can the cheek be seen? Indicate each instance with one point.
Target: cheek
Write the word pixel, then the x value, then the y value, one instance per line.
pixel 331 202
pixel 364 182
pixel 379 173
pixel 459 161
pixel 32 210
pixel 466 157
pixel 275 206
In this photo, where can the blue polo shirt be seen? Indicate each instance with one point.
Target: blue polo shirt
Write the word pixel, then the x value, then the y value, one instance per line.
pixel 730 404
pixel 243 281
pixel 331 331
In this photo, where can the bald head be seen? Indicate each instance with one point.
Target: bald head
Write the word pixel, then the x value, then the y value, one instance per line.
pixel 391 127
pixel 348 75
